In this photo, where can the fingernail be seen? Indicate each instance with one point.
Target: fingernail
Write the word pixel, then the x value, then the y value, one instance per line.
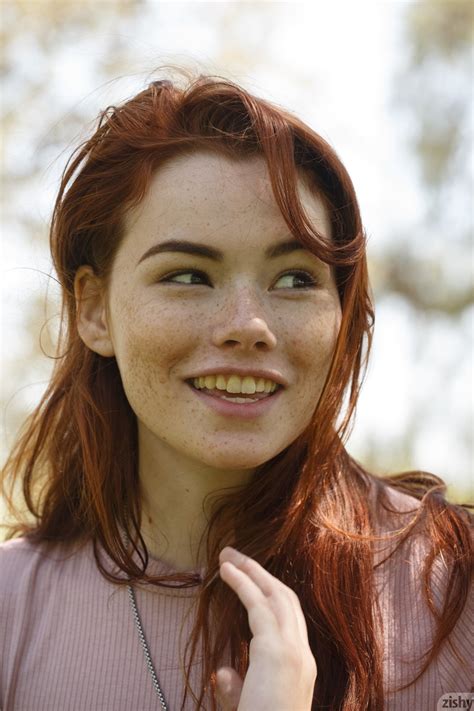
pixel 235 555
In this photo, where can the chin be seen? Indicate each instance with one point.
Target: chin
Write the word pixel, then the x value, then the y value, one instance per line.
pixel 238 459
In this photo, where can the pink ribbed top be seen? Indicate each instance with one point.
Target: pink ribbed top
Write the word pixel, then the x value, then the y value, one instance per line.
pixel 68 640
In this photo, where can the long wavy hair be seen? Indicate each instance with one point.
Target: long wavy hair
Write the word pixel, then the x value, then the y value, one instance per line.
pixel 307 514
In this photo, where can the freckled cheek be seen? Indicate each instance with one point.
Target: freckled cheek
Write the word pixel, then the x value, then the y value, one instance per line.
pixel 149 348
pixel 311 352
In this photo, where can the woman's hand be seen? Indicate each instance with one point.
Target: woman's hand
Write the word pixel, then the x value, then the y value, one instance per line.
pixel 282 670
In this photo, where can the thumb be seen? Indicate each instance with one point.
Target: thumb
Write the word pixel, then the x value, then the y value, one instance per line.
pixel 229 687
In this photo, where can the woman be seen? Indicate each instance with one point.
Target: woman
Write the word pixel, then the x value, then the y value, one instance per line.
pixel 195 549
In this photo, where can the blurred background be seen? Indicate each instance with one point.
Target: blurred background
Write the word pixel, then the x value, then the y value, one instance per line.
pixel 388 84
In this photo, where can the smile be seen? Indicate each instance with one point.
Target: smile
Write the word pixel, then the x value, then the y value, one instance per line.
pixel 239 405
pixel 234 384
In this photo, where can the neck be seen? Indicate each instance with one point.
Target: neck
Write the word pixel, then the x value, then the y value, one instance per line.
pixel 175 507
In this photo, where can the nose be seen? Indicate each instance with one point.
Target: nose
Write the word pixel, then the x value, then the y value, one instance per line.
pixel 243 324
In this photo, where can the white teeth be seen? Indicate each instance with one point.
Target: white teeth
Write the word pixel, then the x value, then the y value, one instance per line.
pixel 221 382
pixel 235 384
pixel 238 399
pixel 210 382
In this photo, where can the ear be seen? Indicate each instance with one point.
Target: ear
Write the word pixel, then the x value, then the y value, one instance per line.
pixel 92 322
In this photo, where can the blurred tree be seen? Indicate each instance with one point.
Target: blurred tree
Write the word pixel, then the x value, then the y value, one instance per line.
pixel 433 92
pixel 431 266
pixel 45 116
pixel 42 112
pixel 37 119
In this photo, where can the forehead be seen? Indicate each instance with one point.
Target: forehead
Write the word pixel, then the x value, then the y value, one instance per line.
pixel 205 192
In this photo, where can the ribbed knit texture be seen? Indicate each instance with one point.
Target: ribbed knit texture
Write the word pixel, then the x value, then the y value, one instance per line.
pixel 68 640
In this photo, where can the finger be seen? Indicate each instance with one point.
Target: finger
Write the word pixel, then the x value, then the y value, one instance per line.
pixel 265 580
pixel 283 597
pixel 269 617
pixel 260 614
pixel 273 617
pixel 229 688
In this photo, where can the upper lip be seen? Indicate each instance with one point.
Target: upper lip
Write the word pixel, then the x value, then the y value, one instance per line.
pixel 234 370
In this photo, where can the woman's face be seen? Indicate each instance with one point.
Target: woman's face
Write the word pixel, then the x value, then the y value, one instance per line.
pixel 172 316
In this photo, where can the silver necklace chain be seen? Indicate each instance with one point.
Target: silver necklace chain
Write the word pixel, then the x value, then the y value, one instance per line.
pixel 146 649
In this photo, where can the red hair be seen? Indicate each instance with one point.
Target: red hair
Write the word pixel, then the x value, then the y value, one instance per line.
pixel 76 456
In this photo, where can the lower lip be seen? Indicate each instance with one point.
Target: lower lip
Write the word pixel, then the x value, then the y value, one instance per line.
pixel 245 411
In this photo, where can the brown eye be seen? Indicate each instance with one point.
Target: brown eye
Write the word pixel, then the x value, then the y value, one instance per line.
pixel 308 281
pixel 184 273
pixel 303 279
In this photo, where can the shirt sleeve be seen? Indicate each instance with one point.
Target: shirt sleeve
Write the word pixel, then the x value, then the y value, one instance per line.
pixel 409 629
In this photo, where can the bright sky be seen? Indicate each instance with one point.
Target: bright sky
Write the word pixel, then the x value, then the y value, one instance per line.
pixel 331 63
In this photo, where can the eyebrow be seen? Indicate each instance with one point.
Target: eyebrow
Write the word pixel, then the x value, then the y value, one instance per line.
pixel 204 250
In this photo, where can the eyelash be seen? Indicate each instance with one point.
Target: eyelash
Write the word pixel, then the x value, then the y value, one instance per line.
pixel 293 272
